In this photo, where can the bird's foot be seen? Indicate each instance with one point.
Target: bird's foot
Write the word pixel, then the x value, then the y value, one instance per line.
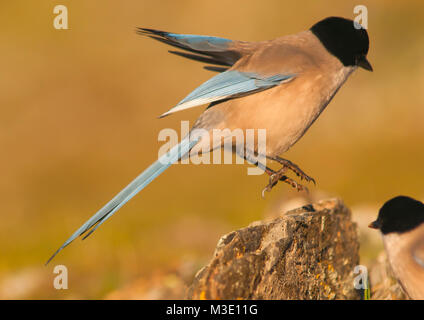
pixel 280 176
pixel 295 168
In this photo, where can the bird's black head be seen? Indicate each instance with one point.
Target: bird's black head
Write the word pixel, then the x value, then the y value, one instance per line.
pixel 345 39
pixel 400 214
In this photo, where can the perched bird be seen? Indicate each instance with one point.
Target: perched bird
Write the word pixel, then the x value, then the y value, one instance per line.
pixel 279 85
pixel 401 223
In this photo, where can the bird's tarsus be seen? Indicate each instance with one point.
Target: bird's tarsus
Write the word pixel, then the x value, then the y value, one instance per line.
pixel 280 175
pixel 293 167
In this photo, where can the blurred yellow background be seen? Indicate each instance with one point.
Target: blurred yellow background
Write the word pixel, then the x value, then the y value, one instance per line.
pixel 79 121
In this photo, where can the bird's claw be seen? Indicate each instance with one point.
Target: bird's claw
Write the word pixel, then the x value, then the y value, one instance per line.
pixel 293 167
pixel 280 176
pixel 273 180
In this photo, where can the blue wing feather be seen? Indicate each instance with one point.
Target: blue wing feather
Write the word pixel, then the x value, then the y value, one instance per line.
pixel 228 84
pixel 189 41
pixel 201 43
pixel 207 49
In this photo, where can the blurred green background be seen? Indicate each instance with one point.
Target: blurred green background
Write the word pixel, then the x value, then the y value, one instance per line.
pixel 79 121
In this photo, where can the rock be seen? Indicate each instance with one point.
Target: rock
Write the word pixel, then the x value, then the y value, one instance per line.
pixel 307 253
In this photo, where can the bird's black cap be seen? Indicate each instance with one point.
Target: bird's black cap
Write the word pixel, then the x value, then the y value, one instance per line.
pixel 400 214
pixel 344 39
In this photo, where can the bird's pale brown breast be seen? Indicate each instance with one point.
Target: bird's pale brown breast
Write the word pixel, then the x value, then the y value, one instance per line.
pixel 405 253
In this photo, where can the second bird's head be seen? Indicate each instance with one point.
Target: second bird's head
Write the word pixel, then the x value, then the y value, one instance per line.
pixel 400 214
pixel 344 39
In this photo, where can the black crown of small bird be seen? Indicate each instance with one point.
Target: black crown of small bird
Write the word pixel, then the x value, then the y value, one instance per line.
pixel 400 214
pixel 345 40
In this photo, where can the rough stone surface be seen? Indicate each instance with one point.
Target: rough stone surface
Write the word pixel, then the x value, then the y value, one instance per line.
pixel 307 253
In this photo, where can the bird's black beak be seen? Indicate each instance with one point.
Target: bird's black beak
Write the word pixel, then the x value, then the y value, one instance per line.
pixel 374 225
pixel 364 63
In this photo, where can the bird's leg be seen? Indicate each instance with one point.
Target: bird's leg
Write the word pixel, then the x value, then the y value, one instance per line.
pixel 275 176
pixel 257 163
pixel 273 180
pixel 293 167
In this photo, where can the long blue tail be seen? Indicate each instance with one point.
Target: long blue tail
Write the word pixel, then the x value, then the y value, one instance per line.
pixel 131 190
